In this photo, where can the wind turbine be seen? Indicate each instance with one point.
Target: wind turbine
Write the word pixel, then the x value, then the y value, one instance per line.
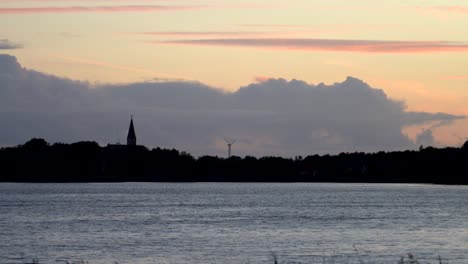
pixel 229 144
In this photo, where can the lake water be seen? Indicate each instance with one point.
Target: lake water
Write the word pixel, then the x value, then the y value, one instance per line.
pixel 232 223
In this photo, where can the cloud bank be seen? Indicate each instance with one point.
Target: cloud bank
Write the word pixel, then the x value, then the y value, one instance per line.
pixel 273 117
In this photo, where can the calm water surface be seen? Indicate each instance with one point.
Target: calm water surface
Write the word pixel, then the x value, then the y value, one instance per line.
pixel 232 223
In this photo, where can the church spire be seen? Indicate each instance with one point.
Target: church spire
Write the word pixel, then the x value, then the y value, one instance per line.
pixel 131 137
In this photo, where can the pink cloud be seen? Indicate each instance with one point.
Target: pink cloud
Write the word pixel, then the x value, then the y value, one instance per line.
pixel 81 9
pixel 449 9
pixel 332 45
pixel 454 9
pixel 261 79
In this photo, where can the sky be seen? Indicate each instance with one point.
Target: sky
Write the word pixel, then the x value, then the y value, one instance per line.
pixel 415 52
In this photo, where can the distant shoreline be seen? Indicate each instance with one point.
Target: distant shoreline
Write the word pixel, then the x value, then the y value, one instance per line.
pixel 37 161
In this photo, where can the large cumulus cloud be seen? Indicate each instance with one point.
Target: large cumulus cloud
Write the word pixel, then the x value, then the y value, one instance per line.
pixel 274 117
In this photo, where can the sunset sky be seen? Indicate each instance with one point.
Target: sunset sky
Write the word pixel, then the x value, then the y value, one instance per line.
pixel 415 51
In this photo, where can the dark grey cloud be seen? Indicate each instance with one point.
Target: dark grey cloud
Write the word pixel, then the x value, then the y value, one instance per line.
pixel 274 117
pixel 412 118
pixel 6 44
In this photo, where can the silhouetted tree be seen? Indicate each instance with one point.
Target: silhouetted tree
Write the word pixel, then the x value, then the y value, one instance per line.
pixel 38 161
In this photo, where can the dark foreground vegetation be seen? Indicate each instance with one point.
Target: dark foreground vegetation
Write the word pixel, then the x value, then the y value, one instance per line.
pixel 38 161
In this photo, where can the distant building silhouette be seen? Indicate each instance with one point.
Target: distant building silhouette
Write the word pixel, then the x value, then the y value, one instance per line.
pixel 131 137
pixel 131 140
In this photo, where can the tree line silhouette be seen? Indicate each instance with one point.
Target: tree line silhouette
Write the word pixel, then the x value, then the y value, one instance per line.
pixel 39 161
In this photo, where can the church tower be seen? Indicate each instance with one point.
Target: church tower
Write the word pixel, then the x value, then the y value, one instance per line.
pixel 131 137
